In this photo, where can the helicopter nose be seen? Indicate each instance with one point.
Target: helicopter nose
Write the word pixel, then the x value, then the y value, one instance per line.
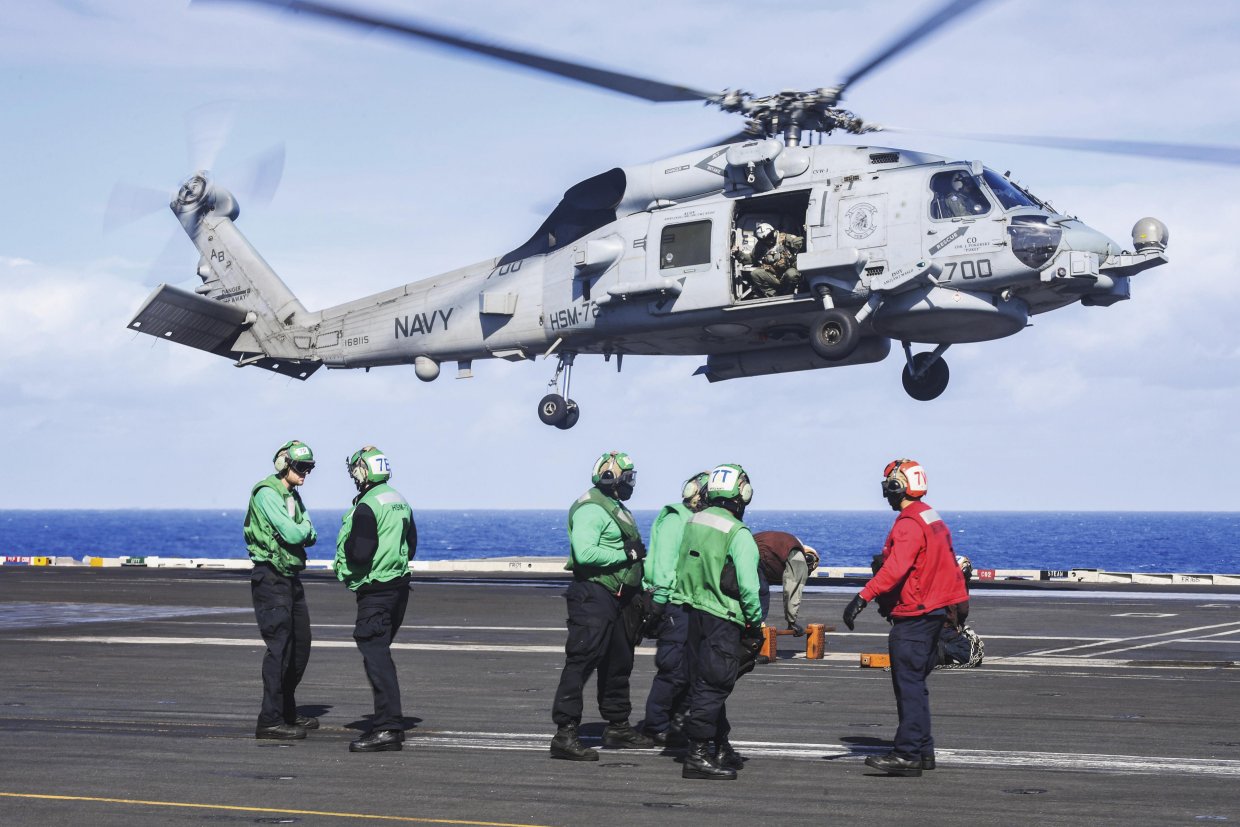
pixel 1082 238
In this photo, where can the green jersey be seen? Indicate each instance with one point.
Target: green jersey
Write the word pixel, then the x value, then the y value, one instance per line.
pixel 664 555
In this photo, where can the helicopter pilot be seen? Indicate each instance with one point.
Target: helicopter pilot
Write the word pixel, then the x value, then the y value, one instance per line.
pixel 962 200
pixel 770 259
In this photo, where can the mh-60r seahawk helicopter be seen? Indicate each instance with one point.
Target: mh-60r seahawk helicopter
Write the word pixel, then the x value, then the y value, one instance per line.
pixel 895 245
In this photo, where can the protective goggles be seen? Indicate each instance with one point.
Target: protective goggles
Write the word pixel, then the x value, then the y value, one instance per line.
pixel 301 468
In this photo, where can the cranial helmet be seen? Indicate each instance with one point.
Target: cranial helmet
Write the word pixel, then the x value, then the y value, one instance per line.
pixel 613 467
pixel 729 483
pixel 811 557
pixel 369 466
pixel 904 478
pixel 295 454
pixel 694 490
pixel 966 565
pixel 763 230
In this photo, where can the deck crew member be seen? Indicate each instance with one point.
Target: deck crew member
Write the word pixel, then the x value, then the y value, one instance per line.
pixel 784 559
pixel 918 579
pixel 717 580
pixel 378 537
pixel 604 610
pixel 667 621
pixel 277 531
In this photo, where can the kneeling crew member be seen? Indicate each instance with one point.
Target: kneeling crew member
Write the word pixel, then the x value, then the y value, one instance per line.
pixel 664 720
pixel 277 532
pixel 918 579
pixel 717 580
pixel 604 614
pixel 378 538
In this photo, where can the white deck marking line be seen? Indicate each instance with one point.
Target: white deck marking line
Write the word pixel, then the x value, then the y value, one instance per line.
pixel 1179 640
pixel 797 659
pixel 1172 633
pixel 994 759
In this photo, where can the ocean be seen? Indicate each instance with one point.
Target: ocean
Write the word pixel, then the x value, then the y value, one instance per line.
pixel 1185 542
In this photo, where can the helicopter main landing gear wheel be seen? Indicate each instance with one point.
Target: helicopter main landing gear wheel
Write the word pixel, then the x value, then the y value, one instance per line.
pixel 555 408
pixel 834 334
pixel 925 375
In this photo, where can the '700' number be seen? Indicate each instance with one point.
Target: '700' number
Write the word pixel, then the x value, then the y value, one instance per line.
pixel 979 269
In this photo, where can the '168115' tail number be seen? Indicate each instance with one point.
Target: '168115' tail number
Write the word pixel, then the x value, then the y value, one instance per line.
pixel 979 269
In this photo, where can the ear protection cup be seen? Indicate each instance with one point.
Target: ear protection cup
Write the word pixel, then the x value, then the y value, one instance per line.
pixel 746 492
pixel 280 460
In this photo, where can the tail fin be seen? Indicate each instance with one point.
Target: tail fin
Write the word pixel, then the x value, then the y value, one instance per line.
pixel 242 310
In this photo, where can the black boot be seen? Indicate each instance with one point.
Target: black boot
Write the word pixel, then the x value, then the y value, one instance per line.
pixel 727 757
pixel 381 740
pixel 568 746
pixel 280 732
pixel 700 764
pixel 623 735
pixel 893 764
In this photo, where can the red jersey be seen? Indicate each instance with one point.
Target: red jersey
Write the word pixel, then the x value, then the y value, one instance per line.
pixel 919 565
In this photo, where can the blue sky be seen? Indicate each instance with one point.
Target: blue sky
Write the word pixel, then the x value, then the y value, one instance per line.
pixel 405 161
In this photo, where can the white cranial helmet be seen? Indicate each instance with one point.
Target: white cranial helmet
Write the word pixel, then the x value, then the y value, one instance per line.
pixel 763 230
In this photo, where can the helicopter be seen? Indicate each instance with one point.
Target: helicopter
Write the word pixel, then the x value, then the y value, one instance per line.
pixel 882 244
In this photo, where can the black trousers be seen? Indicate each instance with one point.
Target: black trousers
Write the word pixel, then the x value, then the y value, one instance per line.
pixel 913 644
pixel 714 654
pixel 670 688
pixel 602 632
pixel 284 622
pixel 379 616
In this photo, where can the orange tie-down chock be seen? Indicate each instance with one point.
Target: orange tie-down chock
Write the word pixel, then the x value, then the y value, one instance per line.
pixel 815 641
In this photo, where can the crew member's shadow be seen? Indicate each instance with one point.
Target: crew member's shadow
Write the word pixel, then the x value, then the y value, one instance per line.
pixel 364 724
pixel 862 746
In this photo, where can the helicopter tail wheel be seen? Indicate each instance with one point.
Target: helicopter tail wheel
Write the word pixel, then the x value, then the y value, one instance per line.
pixel 553 410
pixel 927 377
pixel 571 414
pixel 834 334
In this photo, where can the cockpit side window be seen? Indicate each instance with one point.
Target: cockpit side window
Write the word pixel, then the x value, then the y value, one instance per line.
pixel 1007 193
pixel 956 195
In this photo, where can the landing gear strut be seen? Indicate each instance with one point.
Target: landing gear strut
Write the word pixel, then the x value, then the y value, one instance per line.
pixel 556 408
pixel 925 374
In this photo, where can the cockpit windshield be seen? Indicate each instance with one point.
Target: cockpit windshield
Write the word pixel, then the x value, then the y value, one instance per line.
pixel 1009 194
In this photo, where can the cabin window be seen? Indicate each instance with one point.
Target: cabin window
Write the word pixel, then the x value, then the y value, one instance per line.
pixel 957 195
pixel 684 245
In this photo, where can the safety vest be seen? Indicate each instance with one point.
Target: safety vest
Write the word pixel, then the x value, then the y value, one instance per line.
pixel 703 556
pixel 618 575
pixel 261 538
pixel 392 517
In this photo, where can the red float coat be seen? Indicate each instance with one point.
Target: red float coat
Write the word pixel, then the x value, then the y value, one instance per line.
pixel 919 572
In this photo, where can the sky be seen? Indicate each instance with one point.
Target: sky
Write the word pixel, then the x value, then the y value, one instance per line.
pixel 403 161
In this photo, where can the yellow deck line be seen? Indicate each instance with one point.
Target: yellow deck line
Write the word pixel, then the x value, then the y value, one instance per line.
pixel 276 810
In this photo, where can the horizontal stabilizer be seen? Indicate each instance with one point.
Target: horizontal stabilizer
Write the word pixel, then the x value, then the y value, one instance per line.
pixel 206 324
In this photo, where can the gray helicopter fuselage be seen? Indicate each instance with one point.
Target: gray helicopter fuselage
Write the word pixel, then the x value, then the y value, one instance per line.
pixel 633 285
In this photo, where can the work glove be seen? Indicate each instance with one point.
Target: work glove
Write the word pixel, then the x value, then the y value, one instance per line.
pixel 635 549
pixel 654 621
pixel 853 609
pixel 752 638
pixel 797 629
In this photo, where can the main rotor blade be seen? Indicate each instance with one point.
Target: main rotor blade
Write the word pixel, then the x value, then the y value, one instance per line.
pixel 922 30
pixel 1198 153
pixel 129 203
pixel 651 90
